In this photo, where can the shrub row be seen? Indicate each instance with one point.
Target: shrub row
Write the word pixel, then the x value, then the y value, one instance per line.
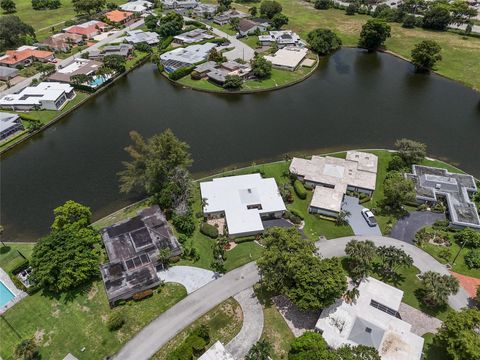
pixel 300 189
pixel 292 217
pixel 180 73
pixel 244 239
pixel 209 230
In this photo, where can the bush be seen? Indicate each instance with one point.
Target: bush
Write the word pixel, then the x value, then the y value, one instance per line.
pixel 209 230
pixel 472 259
pixel 351 9
pixel 244 239
pixel 293 218
pixel 115 321
pixel 184 224
pixel 297 213
pixel 142 295
pixel 323 4
pixel 180 73
pixel 409 22
pixel 196 24
pixel 300 189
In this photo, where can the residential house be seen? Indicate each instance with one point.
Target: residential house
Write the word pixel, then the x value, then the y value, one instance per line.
pixel 123 50
pixel 183 57
pixel 281 38
pixel 179 4
pixel 192 36
pixel 218 72
pixel 225 17
pixel 205 10
pixel 88 29
pixel 435 184
pixel 139 36
pixel 62 42
pixel 46 95
pixel 119 17
pixel 373 320
pixel 248 27
pixel 7 73
pixel 138 6
pixel 24 56
pixel 288 58
pixel 9 124
pixel 133 247
pixel 331 177
pixel 79 67
pixel 244 201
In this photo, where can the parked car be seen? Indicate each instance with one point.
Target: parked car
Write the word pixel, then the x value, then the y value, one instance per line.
pixel 369 217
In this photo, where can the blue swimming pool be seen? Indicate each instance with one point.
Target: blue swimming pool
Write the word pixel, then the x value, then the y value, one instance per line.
pixel 5 294
pixel 97 81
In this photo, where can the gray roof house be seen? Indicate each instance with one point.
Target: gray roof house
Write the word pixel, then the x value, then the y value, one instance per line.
pixel 139 36
pixel 246 27
pixel 121 49
pixel 133 247
pixel 7 73
pixel 9 124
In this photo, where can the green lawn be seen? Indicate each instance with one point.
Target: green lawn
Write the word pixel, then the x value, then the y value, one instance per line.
pixel 224 321
pixel 11 254
pixel 251 41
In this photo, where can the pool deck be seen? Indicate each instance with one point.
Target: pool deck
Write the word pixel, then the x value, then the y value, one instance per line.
pixel 19 294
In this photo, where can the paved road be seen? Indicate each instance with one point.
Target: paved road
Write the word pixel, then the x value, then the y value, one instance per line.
pixel 356 220
pixel 252 326
pixel 148 341
pixel 193 278
pixel 406 228
pixel 241 51
pixel 421 259
pixel 23 84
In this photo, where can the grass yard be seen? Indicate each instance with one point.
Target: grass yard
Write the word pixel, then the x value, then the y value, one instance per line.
pixel 11 254
pixel 224 321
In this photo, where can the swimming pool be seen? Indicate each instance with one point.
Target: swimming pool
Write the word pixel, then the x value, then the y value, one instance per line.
pixel 5 294
pixel 98 80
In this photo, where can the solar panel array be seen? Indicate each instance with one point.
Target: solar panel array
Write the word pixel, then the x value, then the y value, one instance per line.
pixel 384 308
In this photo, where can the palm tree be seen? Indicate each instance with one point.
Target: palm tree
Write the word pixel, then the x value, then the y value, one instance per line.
pixel 351 295
pixel 360 255
pixel 342 217
pixel 260 351
pixel 436 288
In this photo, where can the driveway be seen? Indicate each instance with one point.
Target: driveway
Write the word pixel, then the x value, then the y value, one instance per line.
pixel 406 228
pixel 356 220
pixel 192 278
pixel 283 223
pixel 241 50
pixel 155 335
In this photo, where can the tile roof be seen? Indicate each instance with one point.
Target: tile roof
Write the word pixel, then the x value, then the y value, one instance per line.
pixel 117 16
pixel 12 57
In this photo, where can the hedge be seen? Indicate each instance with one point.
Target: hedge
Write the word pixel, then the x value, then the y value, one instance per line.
pixel 244 239
pixel 142 295
pixel 297 213
pixel 209 230
pixel 180 73
pixel 300 189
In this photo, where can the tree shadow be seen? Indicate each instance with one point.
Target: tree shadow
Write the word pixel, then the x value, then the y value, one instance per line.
pixel 264 296
pixel 5 249
pixel 432 311
pixel 70 295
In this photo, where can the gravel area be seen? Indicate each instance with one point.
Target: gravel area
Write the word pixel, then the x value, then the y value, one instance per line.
pixel 421 322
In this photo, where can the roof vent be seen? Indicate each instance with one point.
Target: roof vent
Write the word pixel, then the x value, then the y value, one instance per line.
pixel 368 330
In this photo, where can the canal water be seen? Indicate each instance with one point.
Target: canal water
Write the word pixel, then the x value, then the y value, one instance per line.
pixel 353 100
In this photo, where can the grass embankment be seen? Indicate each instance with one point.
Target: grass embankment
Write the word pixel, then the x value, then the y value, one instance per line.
pixel 67 323
pixel 224 322
pixel 460 54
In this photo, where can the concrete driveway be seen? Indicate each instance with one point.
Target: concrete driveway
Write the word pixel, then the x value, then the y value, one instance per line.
pixel 192 278
pixel 406 228
pixel 356 220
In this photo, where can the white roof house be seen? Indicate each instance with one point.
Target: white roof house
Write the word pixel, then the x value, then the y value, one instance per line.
pixel 371 320
pixel 282 38
pixel 244 200
pixel 288 58
pixel 138 6
pixel 139 36
pixel 192 36
pixel 216 352
pixel 46 95
pixel 189 55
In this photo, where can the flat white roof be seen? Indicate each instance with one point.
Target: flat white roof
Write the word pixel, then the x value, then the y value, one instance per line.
pixel 190 54
pixel 32 95
pixel 288 57
pixel 76 65
pixel 364 322
pixel 327 198
pixel 216 352
pixel 234 194
pixel 136 6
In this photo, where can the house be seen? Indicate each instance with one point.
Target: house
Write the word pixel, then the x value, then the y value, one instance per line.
pixel 288 58
pixel 225 17
pixel 216 352
pixel 205 10
pixel 244 201
pixel 119 17
pixel 87 29
pixel 46 95
pixel 179 4
pixel 192 36
pixel 281 38
pixel 62 42
pixel 247 27
pixel 331 177
pixel 371 320
pixel 123 50
pixel 133 247
pixel 139 36
pixel 9 124
pixel 218 72
pixel 138 6
pixel 7 73
pixel 24 56
pixel 77 67
pixel 435 184
pixel 183 57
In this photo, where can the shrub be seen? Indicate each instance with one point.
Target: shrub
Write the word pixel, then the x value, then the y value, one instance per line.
pixel 293 218
pixel 184 224
pixel 160 67
pixel 174 259
pixel 323 4
pixel 409 22
pixel 142 294
pixel 445 254
pixel 27 350
pixel 180 73
pixel 209 230
pixel 196 24
pixel 351 9
pixel 115 321
pixel 300 189
pixel 472 259
pixel 297 213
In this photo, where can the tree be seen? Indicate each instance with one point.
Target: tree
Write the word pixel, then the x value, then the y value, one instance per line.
pixel 151 22
pixel 436 288
pixel 409 21
pixel 461 12
pixel 253 11
pixel 88 7
pixel 459 334
pixel 224 5
pixel 426 54
pixel 67 257
pixel 360 257
pixel 359 352
pixel 279 20
pixel 45 4
pixel 342 217
pixel 323 41
pixel 234 22
pixel 411 151
pixel 8 6
pixel 170 24
pixel 46 69
pixel 261 68
pixel 323 4
pixel 27 350
pixel 311 346
pixel 71 213
pixel 373 34
pixel 79 79
pixel 268 8
pixel 232 82
pixel 114 62
pixel 437 16
pixel 260 351
pixel 392 258
pixel 469 237
pixel 214 55
pixel 219 254
pixel 14 32
pixel 398 191
pixel 351 9
pixel 412 6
